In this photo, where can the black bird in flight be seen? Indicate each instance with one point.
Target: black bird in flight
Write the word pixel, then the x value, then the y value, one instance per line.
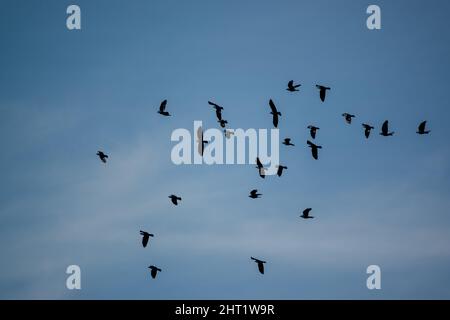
pixel 260 264
pixel 174 199
pixel 162 108
pixel 367 128
pixel 145 236
pixel 200 142
pixel 223 123
pixel 275 113
pixel 323 91
pixel 314 149
pixel 154 270
pixel 287 142
pixel 313 131
pixel 348 117
pixel 421 128
pixel 261 170
pixel 102 156
pixel 254 194
pixel 218 110
pixel 305 214
pixel 291 87
pixel 385 129
pixel 280 170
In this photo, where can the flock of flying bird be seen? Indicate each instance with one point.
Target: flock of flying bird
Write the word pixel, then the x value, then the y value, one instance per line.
pixel 291 87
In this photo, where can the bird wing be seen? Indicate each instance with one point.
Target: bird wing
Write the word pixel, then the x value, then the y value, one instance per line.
pixel 219 114
pixel 162 107
pixel 322 94
pixel 314 152
pixel 258 163
pixel 422 126
pixel 145 240
pixel 200 147
pixel 291 84
pixel 200 134
pixel 261 267
pixel 306 212
pixel 262 172
pixel 213 104
pixel 200 140
pixel 272 107
pixel 385 127
pixel 275 120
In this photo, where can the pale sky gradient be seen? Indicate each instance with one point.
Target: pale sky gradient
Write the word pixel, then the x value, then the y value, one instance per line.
pixel 66 94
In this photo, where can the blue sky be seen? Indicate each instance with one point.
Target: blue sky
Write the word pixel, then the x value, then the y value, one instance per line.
pixel 66 94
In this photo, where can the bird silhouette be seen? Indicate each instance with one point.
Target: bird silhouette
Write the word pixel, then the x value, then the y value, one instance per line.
pixel 305 214
pixel 174 199
pixel 314 149
pixel 153 271
pixel 145 236
pixel 280 170
pixel 254 194
pixel 322 91
pixel 367 128
pixel 102 156
pixel 313 131
pixel 162 108
pixel 385 129
pixel 200 142
pixel 348 117
pixel 261 170
pixel 260 264
pixel 218 110
pixel 274 113
pixel 291 87
pixel 222 122
pixel 287 142
pixel 421 128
